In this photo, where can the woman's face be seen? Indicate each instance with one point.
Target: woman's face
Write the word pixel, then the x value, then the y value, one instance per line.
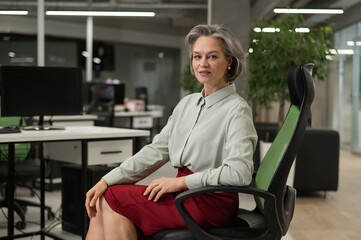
pixel 209 61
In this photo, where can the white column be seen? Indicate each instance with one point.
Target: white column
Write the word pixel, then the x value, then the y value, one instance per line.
pixel 41 35
pixel 89 49
pixel 209 12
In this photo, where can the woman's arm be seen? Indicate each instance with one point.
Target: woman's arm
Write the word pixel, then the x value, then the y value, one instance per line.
pixel 147 160
pixel 237 166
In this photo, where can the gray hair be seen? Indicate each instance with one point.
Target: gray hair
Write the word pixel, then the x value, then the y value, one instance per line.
pixel 232 47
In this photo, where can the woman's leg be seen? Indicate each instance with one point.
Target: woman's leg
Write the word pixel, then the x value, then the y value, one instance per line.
pixel 110 225
pixel 115 225
pixel 96 228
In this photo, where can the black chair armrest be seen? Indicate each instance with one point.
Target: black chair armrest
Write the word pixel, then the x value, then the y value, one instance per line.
pixel 289 206
pixel 270 212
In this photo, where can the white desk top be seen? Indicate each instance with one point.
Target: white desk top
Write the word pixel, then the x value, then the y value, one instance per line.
pixel 72 133
pixel 154 114
pixel 131 114
pixel 84 117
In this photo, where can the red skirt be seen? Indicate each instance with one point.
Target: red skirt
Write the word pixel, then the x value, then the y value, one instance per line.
pixel 213 209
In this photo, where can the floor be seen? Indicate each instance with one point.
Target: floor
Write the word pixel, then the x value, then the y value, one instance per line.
pixel 338 216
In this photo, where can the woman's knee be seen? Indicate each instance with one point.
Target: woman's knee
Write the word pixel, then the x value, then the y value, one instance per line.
pixel 103 206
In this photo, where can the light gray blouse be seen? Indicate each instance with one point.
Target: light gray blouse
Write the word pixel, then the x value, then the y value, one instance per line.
pixel 214 137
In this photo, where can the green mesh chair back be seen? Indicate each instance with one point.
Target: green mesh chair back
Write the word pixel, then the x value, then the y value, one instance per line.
pixel 274 169
pixel 21 150
pixel 274 155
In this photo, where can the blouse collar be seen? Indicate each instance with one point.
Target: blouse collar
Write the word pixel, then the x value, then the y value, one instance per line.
pixel 215 97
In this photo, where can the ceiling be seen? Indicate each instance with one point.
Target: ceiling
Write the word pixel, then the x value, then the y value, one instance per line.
pixel 173 14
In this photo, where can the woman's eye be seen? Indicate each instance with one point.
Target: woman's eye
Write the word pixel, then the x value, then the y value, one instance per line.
pixel 212 57
pixel 196 57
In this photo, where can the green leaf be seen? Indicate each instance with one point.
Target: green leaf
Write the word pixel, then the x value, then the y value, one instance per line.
pixel 275 53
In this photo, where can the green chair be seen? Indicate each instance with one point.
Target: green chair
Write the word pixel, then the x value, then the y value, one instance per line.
pixel 275 200
pixel 25 171
pixel 21 150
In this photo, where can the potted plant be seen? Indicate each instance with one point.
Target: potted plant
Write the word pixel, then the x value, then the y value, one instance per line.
pixel 189 82
pixel 273 54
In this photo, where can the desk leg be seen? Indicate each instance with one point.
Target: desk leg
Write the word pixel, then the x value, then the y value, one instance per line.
pixel 131 123
pixel 42 191
pixel 83 184
pixel 10 189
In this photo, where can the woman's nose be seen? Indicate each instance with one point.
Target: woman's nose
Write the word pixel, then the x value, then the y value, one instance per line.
pixel 204 62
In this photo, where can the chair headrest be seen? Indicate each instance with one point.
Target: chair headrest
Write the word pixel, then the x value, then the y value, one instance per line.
pixel 298 78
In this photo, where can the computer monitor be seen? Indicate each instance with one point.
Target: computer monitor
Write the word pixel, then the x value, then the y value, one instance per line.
pixel 39 91
pixel 119 92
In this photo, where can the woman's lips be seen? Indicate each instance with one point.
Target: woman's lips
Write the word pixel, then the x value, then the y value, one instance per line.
pixel 204 73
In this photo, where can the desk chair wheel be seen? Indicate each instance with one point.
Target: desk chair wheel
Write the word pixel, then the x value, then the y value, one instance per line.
pixel 20 225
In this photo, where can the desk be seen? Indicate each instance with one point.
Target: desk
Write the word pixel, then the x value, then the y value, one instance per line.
pixel 142 120
pixel 63 121
pixel 87 135
pixel 70 120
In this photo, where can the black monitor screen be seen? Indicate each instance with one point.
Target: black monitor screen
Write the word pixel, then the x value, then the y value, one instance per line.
pixel 119 92
pixel 39 91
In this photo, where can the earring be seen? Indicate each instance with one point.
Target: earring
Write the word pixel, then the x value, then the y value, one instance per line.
pixel 229 67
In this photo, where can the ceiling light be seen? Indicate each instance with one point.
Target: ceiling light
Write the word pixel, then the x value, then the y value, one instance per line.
pixel 100 13
pixel 13 12
pixel 303 30
pixel 85 54
pixel 352 43
pixel 272 30
pixel 329 57
pixel 266 29
pixel 342 51
pixel 308 11
pixel 97 60
pixel 345 51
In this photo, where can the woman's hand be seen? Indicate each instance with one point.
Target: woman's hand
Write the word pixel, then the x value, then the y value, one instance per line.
pixel 93 195
pixel 163 185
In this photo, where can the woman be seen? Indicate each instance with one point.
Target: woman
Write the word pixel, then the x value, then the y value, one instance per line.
pixel 210 138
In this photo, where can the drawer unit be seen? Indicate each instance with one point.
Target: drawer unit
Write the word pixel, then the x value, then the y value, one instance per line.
pixel 143 122
pixel 99 152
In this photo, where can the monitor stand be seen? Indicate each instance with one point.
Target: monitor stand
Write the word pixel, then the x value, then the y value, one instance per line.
pixel 41 127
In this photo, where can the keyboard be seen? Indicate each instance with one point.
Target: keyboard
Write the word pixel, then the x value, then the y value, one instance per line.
pixel 9 130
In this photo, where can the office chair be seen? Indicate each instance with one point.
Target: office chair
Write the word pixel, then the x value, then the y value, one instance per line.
pixel 142 94
pixel 102 104
pixel 26 171
pixel 275 201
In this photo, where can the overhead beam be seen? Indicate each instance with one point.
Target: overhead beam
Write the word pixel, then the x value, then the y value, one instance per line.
pixel 301 3
pixel 108 6
pixel 262 7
